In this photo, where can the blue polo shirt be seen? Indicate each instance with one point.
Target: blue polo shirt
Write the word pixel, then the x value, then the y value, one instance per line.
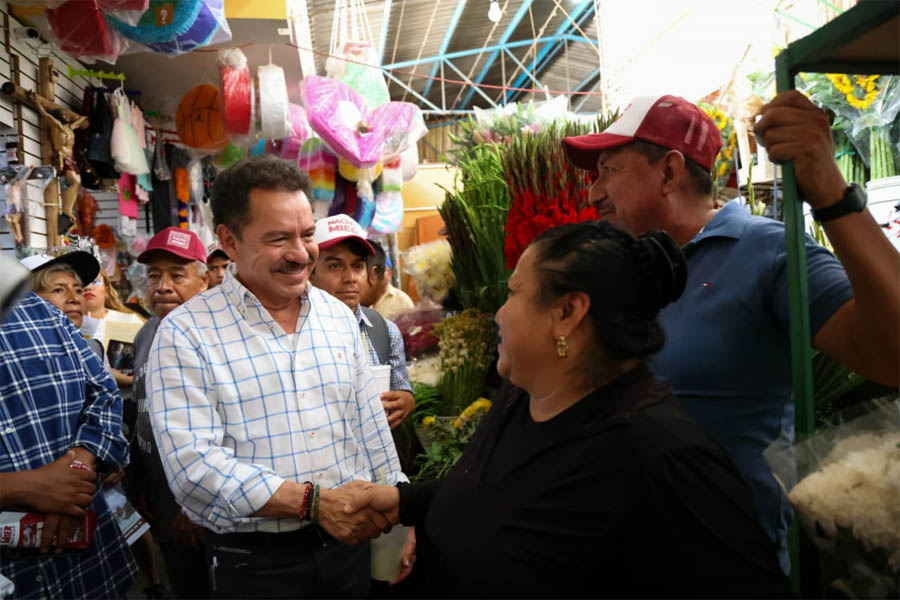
pixel 727 354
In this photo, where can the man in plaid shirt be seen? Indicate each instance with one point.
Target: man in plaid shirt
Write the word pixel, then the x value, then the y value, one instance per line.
pixel 60 409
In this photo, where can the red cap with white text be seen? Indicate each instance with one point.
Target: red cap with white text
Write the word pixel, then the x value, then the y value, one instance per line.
pixel 180 242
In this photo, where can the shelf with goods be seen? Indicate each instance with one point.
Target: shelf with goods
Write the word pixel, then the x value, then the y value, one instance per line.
pixel 862 40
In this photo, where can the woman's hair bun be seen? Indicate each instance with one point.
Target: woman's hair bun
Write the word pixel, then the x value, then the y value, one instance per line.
pixel 663 266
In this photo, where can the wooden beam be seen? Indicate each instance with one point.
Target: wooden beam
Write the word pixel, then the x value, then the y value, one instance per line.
pixel 46 89
pixel 17 93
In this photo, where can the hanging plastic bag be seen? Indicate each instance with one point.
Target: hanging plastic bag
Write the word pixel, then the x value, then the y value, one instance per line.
pixel 289 148
pixel 389 201
pixel 274 107
pixel 352 50
pixel 80 30
pixel 174 27
pixel 126 150
pixel 237 92
pixel 341 118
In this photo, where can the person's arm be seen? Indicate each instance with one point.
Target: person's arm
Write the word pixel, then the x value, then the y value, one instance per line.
pixel 861 334
pixel 204 476
pixel 371 427
pixel 53 488
pixel 399 402
pixel 99 435
pixel 121 378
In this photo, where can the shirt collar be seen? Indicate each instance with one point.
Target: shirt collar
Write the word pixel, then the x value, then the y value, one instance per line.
pixel 241 297
pixel 361 316
pixel 729 221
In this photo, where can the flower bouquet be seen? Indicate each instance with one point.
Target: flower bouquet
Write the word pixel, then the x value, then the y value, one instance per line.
pixel 844 483
pixel 445 438
pixel 467 347
pixel 417 327
pixel 725 159
pixel 429 265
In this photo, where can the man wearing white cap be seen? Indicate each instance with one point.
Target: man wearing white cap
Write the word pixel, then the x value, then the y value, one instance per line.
pixel 727 353
pixel 263 407
pixel 342 272
pixel 217 262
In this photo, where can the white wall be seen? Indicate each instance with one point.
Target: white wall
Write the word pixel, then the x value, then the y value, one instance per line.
pixel 68 93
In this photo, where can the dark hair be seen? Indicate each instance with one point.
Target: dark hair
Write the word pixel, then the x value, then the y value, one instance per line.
pixel 231 189
pixel 628 280
pixel 378 262
pixel 700 178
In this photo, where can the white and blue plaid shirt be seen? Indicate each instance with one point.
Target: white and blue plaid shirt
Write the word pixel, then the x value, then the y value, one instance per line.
pixel 397 358
pixel 239 407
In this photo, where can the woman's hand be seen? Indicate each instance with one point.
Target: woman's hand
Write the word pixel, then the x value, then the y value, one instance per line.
pixel 408 559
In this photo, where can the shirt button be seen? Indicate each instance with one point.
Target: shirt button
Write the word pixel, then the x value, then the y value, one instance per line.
pixel 9 430
pixel 313 434
pixel 321 475
pixel 39 578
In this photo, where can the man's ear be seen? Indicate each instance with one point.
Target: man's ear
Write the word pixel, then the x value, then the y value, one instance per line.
pixel 205 279
pixel 674 171
pixel 228 241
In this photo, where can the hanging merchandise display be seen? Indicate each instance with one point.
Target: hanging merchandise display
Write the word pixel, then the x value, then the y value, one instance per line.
pixel 128 6
pixel 199 119
pixel 177 26
pixel 350 129
pixel 228 157
pixel 89 177
pixel 289 148
pixel 274 106
pixel 80 30
pixel 321 165
pixel 125 146
pixel 389 201
pixel 354 174
pixel 237 92
pixel 183 195
pixel 99 153
pixel 409 162
pixel 352 50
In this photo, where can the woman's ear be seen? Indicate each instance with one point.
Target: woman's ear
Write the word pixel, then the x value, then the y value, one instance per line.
pixel 568 311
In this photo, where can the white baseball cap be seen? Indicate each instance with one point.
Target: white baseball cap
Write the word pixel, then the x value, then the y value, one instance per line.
pixel 81 262
pixel 334 230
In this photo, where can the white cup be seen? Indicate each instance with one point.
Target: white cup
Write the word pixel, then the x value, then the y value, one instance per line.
pixel 386 553
pixel 381 375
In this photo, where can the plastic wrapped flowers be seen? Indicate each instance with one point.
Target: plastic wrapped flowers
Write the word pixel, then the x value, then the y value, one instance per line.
pixel 429 265
pixel 848 498
pixel 468 344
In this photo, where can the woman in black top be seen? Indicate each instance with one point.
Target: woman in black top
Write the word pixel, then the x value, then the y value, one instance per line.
pixel 590 480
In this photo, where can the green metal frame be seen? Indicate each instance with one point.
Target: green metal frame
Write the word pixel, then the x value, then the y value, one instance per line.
pixel 819 52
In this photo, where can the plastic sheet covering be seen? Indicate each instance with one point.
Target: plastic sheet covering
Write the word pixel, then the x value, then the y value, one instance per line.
pixel 389 201
pixel 367 81
pixel 79 29
pixel 274 106
pixel 237 91
pixel 289 148
pixel 127 11
pixel 176 26
pixel 126 149
pixel 350 129
pixel 844 483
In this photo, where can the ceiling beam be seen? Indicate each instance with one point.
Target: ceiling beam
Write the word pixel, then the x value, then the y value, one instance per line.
pixel 385 25
pixel 472 51
pixel 445 43
pixel 581 12
pixel 510 29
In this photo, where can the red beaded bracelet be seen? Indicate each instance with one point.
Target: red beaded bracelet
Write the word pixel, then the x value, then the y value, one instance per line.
pixel 304 506
pixel 77 464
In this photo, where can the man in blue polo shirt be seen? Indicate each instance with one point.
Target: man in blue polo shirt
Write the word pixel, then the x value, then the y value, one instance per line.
pixel 727 354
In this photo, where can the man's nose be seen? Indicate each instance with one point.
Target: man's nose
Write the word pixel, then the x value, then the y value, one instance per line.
pixel 597 191
pixel 297 252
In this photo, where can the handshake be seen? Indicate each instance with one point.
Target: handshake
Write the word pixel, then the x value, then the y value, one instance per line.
pixel 359 511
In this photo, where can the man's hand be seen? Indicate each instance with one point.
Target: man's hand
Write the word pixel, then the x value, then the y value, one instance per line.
pixel 382 498
pixel 86 457
pixel 58 488
pixel 352 527
pixel 56 532
pixel 186 532
pixel 398 404
pixel 408 559
pixel 793 128
pixel 114 478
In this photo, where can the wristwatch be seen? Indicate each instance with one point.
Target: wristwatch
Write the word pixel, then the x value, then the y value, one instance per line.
pixel 853 201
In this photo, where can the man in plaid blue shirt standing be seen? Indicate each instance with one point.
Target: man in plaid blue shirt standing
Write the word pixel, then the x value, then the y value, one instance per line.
pixel 60 425
pixel 263 405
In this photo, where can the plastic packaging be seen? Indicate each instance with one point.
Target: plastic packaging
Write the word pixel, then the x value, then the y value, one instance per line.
pixel 274 107
pixel 321 166
pixel 844 483
pixel 126 150
pixel 367 81
pixel 237 91
pixel 353 132
pixel 389 201
pixel 176 26
pixel 289 148
pixel 79 29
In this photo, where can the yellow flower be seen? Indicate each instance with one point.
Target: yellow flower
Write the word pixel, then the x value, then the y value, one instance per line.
pixel 723 169
pixel 457 423
pixel 719 119
pixel 841 82
pixel 427 422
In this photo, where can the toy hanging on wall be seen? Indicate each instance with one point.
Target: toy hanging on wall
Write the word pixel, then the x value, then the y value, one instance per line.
pixel 199 119
pixel 177 26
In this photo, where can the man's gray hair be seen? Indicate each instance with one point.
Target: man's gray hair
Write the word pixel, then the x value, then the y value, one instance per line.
pixel 201 267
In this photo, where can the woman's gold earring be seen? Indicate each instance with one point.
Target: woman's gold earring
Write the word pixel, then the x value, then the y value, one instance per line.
pixel 562 347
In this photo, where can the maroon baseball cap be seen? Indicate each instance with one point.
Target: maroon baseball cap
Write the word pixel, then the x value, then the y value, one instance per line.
pixel 180 242
pixel 668 121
